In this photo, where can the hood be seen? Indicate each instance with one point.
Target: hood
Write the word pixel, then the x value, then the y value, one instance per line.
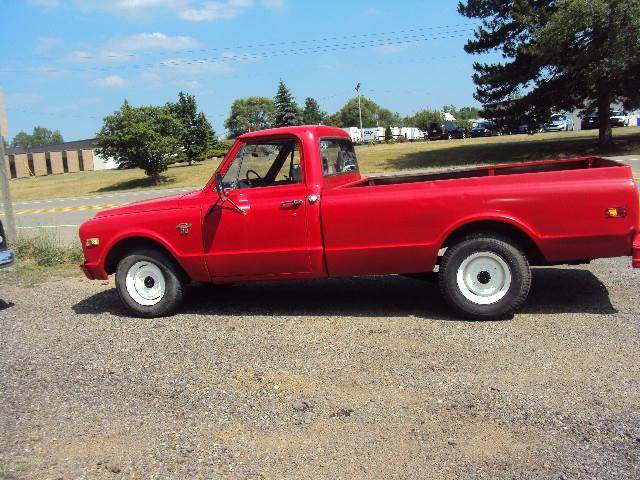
pixel 155 204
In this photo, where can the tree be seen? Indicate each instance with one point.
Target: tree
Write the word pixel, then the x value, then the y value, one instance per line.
pixel 196 136
pixel 41 136
pixel 372 115
pixel 146 137
pixel 557 55
pixel 424 118
pixel 287 113
pixel 388 134
pixel 249 114
pixel 312 115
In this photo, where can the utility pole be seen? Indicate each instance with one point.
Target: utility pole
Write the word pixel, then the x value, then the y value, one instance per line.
pixel 360 113
pixel 9 218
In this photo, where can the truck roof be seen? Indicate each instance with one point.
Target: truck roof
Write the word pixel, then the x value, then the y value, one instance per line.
pixel 317 130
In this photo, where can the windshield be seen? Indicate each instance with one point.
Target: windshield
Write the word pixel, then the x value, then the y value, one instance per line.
pixel 617 113
pixel 264 164
pixel 338 156
pixel 558 118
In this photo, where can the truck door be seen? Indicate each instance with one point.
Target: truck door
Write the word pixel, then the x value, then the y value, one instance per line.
pixel 262 230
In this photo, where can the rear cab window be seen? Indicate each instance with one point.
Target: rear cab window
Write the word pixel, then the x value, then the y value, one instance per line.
pixel 338 157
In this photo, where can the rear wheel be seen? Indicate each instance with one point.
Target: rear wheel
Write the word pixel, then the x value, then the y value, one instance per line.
pixel 149 283
pixel 449 136
pixel 485 277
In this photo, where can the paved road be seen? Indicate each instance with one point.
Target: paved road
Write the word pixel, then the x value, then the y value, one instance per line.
pixel 62 216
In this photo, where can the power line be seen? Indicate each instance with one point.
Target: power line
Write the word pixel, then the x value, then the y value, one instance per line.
pixel 269 54
pixel 277 44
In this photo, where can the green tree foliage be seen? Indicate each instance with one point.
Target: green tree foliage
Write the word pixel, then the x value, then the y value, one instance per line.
pixel 41 136
pixel 146 137
pixel 557 55
pixel 372 115
pixel 312 114
pixel 388 134
pixel 287 112
pixel 250 114
pixel 424 118
pixel 196 136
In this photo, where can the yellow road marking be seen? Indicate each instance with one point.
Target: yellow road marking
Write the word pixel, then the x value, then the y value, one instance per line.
pixel 74 208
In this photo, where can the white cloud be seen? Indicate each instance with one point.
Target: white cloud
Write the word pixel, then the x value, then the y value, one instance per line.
pixel 125 48
pixel 186 84
pixel 216 11
pixel 112 81
pixel 23 98
pixel 189 10
pixel 372 11
pixel 152 41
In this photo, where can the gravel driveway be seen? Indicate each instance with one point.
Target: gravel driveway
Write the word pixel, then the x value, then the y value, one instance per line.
pixel 364 378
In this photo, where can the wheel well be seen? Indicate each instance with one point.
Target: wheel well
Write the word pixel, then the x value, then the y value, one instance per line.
pixel 127 245
pixel 524 241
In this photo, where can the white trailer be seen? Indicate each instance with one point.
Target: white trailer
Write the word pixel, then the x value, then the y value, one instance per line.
pixel 412 133
pixel 373 134
pixel 355 133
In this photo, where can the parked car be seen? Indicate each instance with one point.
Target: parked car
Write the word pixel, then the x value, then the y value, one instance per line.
pixel 590 121
pixel 6 254
pixel 485 129
pixel 445 130
pixel 304 211
pixel 617 118
pixel 559 123
pixel 528 128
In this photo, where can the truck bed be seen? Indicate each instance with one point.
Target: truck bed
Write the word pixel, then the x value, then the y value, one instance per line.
pixel 581 163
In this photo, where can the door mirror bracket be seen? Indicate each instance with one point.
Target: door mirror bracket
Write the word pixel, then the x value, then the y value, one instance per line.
pixel 224 198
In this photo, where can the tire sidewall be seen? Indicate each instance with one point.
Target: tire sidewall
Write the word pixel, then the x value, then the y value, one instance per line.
pixel 174 285
pixel 509 253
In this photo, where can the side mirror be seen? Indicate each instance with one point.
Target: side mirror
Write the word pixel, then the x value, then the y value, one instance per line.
pixel 220 187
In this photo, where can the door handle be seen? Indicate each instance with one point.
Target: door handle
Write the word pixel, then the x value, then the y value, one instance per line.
pixel 290 203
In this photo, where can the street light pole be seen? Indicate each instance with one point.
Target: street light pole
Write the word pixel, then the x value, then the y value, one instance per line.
pixel 360 113
pixel 10 221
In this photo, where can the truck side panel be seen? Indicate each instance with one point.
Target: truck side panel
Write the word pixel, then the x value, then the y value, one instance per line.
pixel 400 228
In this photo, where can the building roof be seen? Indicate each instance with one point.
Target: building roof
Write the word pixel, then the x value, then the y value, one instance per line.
pixel 75 145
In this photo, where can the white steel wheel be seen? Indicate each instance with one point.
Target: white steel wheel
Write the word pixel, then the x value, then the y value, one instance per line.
pixel 484 278
pixel 145 283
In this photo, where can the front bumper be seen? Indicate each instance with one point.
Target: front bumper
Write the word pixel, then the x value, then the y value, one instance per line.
pixel 635 259
pixel 93 272
pixel 6 258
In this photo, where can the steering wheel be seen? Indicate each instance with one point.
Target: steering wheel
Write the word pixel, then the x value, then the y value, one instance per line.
pixel 255 173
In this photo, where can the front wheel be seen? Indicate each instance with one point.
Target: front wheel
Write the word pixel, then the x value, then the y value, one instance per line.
pixel 149 283
pixel 485 277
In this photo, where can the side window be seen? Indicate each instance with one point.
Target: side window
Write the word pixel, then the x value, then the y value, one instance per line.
pixel 264 164
pixel 337 156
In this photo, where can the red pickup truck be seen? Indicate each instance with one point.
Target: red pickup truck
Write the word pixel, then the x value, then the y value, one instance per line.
pixel 290 203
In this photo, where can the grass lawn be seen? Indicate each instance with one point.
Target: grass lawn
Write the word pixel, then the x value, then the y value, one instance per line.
pixel 378 158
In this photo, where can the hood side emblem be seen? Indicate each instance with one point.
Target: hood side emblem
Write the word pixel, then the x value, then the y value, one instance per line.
pixel 183 228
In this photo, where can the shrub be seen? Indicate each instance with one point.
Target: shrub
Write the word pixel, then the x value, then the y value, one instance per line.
pixel 46 251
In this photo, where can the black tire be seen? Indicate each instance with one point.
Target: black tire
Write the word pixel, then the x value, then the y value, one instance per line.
pixel 174 278
pixel 518 269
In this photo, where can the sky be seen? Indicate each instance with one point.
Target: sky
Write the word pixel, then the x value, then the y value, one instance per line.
pixel 68 63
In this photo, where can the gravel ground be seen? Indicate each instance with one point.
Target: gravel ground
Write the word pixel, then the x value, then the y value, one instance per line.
pixel 358 378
